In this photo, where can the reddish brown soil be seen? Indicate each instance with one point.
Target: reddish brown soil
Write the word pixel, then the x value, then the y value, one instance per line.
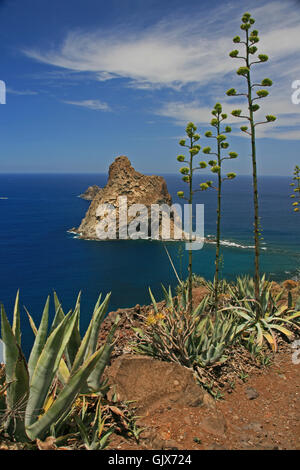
pixel 269 421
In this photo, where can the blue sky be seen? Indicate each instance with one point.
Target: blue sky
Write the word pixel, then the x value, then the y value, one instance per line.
pixel 88 80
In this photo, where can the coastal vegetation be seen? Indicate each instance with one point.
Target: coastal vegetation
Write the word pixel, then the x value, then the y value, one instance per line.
pixel 296 188
pixel 60 393
pixel 37 397
pixel 250 49
pixel 216 168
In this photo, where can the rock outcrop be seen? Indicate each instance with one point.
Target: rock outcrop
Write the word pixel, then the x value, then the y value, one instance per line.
pixel 152 383
pixel 123 180
pixel 91 192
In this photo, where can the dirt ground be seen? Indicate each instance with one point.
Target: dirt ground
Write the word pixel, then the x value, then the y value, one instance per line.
pixel 261 412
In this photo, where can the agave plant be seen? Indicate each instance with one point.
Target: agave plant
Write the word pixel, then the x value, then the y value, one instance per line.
pixel 261 318
pixel 40 393
pixel 174 334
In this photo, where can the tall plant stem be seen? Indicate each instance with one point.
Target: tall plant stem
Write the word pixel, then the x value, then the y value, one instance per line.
pixel 254 178
pixel 217 261
pixel 190 266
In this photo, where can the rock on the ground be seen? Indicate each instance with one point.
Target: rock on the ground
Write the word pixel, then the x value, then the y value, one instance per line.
pixel 251 393
pixel 152 383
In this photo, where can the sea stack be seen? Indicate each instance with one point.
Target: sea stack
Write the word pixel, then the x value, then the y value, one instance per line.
pixel 124 180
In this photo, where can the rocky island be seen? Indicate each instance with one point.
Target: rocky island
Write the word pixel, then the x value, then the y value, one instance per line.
pixel 90 193
pixel 123 180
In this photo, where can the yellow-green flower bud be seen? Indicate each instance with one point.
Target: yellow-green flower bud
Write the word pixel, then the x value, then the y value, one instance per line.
pixel 196 137
pixel 212 162
pixel 182 142
pixel 231 92
pixel 186 179
pixel 221 137
pixel 244 128
pixel 218 108
pixel 228 129
pixel 236 112
pixel 193 151
pixel 237 39
pixel 270 118
pixel 263 57
pixel 224 145
pixel 184 170
pixel 215 169
pixel 243 71
pixel 180 194
pixel 208 134
pixel 233 154
pixel 252 49
pixel 224 116
pixel 234 53
pixel 255 107
pixel 214 122
pixel 262 93
pixel 231 176
pixel 206 150
pixel 181 158
pixel 203 164
pixel 203 186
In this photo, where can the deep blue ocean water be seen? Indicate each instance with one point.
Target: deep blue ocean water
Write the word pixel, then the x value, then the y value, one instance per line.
pixel 38 255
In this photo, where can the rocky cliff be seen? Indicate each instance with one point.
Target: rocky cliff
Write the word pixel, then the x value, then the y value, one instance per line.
pixel 90 193
pixel 124 180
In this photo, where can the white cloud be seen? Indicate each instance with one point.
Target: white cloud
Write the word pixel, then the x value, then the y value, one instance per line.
pixel 190 53
pixel 21 92
pixel 177 52
pixel 90 104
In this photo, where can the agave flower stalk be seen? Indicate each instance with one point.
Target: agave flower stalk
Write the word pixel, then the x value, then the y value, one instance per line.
pixel 187 172
pixel 251 39
pixel 216 167
pixel 296 190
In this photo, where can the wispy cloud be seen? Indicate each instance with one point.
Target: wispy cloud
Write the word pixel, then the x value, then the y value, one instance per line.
pixel 90 104
pixel 189 54
pixel 21 92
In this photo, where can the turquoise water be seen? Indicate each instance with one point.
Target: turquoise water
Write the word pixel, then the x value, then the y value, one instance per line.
pixel 38 255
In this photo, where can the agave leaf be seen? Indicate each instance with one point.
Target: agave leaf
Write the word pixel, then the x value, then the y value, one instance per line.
pixel 98 318
pixel 63 372
pixel 259 334
pixel 75 339
pixel 59 313
pixel 15 367
pixel 31 321
pixel 16 329
pixel 40 339
pixel 64 400
pixel 94 380
pixel 79 358
pixel 153 301
pixel 271 340
pixel 283 330
pixel 293 316
pixel 47 365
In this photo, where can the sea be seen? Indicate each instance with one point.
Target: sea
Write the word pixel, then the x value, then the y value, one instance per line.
pixel 38 255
